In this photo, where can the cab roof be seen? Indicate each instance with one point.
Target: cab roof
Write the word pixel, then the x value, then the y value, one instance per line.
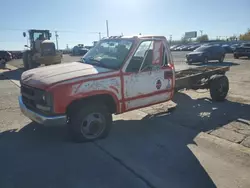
pixel 135 36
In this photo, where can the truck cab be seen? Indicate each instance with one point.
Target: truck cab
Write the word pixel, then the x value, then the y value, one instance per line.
pixel 117 75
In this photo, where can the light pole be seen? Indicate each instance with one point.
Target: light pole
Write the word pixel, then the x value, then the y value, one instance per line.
pixel 100 36
pixel 56 39
pixel 107 26
pixel 170 39
pixel 201 31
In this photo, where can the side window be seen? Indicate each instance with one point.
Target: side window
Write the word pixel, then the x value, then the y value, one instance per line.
pixel 209 49
pixel 143 54
pixel 164 57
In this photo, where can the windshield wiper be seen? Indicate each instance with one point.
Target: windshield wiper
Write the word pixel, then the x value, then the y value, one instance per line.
pixel 97 62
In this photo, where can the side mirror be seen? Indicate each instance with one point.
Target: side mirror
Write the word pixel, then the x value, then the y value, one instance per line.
pixel 24 34
pixel 50 35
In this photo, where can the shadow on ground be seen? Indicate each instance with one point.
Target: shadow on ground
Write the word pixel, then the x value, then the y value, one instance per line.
pixel 153 150
pixel 13 74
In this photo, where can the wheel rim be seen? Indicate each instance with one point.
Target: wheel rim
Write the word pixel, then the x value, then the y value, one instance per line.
pixel 222 89
pixel 93 125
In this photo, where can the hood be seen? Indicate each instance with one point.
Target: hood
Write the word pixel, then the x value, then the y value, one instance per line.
pixel 46 76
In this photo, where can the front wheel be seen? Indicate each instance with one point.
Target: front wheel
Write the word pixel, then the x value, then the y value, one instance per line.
pixel 90 123
pixel 26 60
pixel 221 59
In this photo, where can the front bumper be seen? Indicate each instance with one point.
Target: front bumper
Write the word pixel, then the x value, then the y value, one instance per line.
pixel 41 119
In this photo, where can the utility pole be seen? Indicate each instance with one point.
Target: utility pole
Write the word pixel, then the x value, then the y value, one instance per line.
pixel 170 39
pixel 56 39
pixel 201 31
pixel 107 26
pixel 100 35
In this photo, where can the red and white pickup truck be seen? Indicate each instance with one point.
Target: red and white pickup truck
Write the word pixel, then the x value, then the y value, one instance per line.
pixel 119 74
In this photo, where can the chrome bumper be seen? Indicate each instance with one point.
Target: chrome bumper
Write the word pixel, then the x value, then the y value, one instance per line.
pixel 41 119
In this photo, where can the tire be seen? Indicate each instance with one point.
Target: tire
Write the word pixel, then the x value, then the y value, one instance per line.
pixel 219 86
pixel 25 60
pixel 221 59
pixel 32 64
pixel 90 117
pixel 236 57
pixel 205 60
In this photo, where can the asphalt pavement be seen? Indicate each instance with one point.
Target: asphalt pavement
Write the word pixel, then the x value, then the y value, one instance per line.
pixel 153 147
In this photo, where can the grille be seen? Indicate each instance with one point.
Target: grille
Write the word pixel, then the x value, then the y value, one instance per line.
pixel 27 90
pixel 29 102
pixel 31 96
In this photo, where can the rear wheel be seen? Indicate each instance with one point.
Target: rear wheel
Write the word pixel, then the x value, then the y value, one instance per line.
pixel 219 86
pixel 236 56
pixel 91 122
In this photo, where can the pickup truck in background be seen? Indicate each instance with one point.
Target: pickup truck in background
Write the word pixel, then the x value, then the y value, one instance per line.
pixel 119 74
pixel 242 51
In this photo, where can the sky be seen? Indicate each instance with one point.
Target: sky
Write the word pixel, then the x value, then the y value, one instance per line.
pixel 80 21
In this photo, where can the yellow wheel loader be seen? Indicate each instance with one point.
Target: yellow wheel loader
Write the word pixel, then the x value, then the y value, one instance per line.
pixel 41 50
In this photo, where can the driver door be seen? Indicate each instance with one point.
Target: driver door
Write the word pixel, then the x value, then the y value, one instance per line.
pixel 148 79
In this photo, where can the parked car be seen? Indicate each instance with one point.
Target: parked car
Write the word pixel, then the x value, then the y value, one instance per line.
pixel 185 47
pixel 17 55
pixel 205 54
pixel 173 47
pixel 243 50
pixel 5 55
pixel 227 48
pixel 193 47
pixel 234 46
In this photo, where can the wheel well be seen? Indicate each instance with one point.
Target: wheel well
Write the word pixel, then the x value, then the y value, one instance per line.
pixel 105 99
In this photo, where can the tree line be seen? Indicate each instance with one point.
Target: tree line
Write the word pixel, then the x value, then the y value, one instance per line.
pixel 204 38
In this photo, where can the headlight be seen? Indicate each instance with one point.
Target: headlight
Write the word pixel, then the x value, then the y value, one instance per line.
pixel 47 98
pixel 44 98
pixel 46 102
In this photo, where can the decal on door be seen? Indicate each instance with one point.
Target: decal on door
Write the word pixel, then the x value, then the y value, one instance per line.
pixel 158 84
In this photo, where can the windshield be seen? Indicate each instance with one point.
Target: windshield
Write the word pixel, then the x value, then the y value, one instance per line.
pixel 201 49
pixel 109 53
